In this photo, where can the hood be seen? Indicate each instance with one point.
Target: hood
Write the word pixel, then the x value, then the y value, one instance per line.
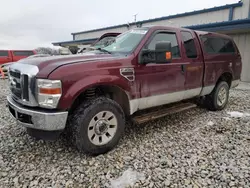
pixel 7 64
pixel 47 64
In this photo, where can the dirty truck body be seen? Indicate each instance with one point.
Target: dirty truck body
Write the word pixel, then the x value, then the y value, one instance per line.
pixel 89 95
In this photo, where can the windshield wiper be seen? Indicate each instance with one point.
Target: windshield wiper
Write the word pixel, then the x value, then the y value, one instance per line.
pixel 103 50
pixel 100 49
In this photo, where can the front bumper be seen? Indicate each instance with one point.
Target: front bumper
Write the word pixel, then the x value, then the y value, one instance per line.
pixel 46 120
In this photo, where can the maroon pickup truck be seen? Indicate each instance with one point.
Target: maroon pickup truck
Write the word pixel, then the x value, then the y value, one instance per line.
pixel 144 74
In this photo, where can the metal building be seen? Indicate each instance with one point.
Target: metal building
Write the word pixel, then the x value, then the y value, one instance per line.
pixel 231 19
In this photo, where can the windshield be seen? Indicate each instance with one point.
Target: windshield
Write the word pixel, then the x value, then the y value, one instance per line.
pixel 104 42
pixel 127 41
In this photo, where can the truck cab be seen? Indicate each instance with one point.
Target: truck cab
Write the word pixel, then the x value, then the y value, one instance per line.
pixel 146 73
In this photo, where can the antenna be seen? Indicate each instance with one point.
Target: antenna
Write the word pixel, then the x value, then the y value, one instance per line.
pixel 135 15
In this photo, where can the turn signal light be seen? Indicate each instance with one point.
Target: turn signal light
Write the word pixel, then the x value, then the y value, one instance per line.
pixel 168 55
pixel 50 91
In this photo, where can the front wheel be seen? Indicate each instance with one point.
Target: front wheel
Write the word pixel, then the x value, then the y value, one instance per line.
pixel 218 99
pixel 97 125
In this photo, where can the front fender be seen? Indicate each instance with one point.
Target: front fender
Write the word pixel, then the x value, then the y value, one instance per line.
pixel 74 90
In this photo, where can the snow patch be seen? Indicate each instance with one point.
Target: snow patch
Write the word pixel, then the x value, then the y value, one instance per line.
pixel 236 114
pixel 128 178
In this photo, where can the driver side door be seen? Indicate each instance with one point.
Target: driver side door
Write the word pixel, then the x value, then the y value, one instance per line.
pixel 161 83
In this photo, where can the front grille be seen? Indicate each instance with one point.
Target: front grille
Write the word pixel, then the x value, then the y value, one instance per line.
pixel 25 87
pixel 22 79
pixel 16 92
pixel 19 85
pixel 15 84
pixel 15 74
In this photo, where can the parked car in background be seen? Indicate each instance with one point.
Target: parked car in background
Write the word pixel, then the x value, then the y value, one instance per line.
pixel 7 56
pixel 146 73
pixel 5 66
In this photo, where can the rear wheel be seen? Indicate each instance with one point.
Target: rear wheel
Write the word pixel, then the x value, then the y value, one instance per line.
pixel 97 125
pixel 218 99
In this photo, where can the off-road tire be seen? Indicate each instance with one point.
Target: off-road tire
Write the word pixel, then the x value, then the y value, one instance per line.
pixel 79 121
pixel 211 99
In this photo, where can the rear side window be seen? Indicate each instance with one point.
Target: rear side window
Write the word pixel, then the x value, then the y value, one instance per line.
pixel 23 53
pixel 217 45
pixel 170 37
pixel 189 44
pixel 4 54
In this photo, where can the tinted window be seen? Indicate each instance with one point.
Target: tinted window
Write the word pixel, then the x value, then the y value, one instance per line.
pixel 4 54
pixel 189 44
pixel 23 53
pixel 215 45
pixel 170 37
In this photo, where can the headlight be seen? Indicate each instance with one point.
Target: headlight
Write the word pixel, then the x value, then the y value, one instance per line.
pixel 49 92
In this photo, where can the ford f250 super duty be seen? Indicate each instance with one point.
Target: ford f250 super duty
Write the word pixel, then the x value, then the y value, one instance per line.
pixel 145 73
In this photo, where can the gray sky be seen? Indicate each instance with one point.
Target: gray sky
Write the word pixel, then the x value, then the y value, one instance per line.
pixel 27 24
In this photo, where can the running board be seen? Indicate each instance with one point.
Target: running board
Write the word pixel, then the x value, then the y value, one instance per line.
pixel 163 112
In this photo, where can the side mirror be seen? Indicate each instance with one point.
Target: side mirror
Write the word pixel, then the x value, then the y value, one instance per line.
pixel 161 54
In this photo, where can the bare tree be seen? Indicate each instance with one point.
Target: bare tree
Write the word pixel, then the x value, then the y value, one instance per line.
pixel 47 50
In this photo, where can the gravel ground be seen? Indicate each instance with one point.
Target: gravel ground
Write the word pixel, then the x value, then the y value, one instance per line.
pixel 196 148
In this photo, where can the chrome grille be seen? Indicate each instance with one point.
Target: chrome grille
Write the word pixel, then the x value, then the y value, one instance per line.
pixel 22 77
pixel 16 92
pixel 15 84
pixel 15 74
pixel 25 88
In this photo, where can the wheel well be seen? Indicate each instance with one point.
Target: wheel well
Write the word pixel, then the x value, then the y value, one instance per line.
pixel 113 92
pixel 227 77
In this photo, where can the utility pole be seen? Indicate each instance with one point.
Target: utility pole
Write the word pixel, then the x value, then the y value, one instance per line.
pixel 135 16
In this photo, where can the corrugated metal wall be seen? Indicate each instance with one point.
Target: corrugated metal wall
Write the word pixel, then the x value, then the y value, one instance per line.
pixel 204 18
pixel 241 12
pixel 243 43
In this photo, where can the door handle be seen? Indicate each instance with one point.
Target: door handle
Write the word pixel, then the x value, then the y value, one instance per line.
pixel 183 68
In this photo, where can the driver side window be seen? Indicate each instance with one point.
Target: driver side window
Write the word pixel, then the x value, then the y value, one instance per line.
pixel 171 37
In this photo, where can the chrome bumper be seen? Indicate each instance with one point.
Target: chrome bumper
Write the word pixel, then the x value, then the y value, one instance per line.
pixel 36 118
